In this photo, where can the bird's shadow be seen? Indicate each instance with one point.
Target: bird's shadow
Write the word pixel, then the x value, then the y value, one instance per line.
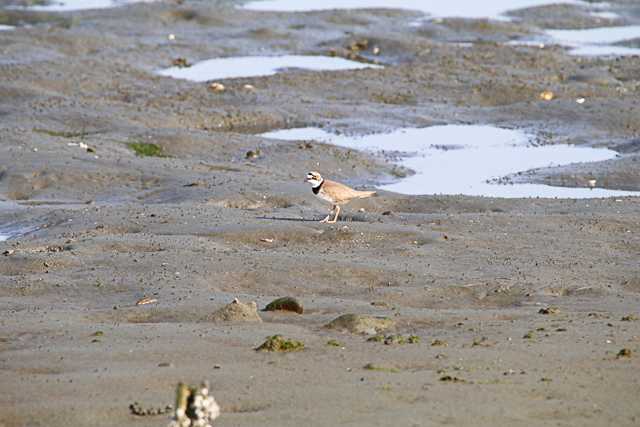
pixel 342 218
pixel 279 218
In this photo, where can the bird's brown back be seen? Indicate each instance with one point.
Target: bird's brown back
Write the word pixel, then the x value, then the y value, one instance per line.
pixel 341 193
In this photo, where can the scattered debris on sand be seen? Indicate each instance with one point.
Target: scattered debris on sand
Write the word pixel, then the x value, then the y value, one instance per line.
pixel 137 409
pixel 395 339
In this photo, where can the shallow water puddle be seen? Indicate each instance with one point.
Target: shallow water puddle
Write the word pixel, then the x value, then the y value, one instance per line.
pixel 436 8
pixel 591 42
pixel 464 159
pixel 597 41
pixel 252 66
pixel 71 5
pixel 9 232
pixel 6 28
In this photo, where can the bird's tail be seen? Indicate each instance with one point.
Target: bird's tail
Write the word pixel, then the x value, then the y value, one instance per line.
pixel 365 194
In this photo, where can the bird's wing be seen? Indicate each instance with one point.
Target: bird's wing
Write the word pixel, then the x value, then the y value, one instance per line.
pixel 340 192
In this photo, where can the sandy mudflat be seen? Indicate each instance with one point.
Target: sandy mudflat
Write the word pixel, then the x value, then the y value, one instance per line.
pixel 201 224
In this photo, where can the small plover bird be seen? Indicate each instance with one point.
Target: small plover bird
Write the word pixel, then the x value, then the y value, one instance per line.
pixel 335 193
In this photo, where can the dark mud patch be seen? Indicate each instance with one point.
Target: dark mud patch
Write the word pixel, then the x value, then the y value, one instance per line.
pixel 16 265
pixel 473 30
pixel 192 15
pixel 558 16
pixel 19 18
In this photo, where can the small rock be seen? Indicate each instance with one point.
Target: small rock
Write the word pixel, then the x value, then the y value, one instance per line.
pixel 629 318
pixel 285 304
pixel 217 87
pixel 451 379
pixel 549 310
pixel 252 154
pixel 361 324
pixel 181 63
pixel 334 343
pixel 395 339
pixel 547 95
pixel 236 312
pixel 482 342
pixel 439 343
pixel 625 352
pixel 379 304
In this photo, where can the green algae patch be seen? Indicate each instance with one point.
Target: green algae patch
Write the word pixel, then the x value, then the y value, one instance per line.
pixel 146 149
pixel 280 344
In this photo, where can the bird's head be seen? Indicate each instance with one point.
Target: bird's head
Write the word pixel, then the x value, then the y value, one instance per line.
pixel 314 178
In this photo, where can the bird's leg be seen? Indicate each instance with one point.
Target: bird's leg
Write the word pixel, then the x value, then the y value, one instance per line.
pixel 329 216
pixel 335 218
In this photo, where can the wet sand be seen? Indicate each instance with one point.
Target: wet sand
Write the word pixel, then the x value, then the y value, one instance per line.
pixel 201 223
